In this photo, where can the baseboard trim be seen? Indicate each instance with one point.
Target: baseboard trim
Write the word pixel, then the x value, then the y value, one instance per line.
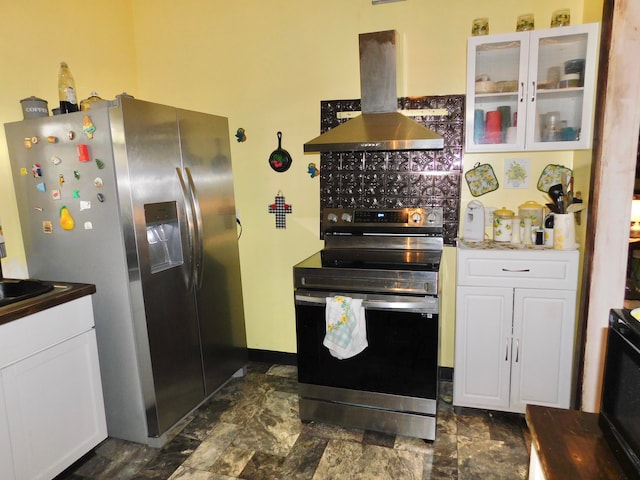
pixel 271 356
pixel 445 373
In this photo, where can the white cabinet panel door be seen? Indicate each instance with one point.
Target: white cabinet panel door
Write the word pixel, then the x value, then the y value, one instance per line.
pixel 54 407
pixel 543 336
pixel 483 347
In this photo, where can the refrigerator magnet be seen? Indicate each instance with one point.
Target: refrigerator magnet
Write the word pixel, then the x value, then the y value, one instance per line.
pixel 56 160
pixel 97 182
pixel 41 187
pixel 55 194
pixel 76 194
pixel 88 226
pixel 36 170
pixel 83 153
pixel 87 126
pixel 99 164
pixel 47 226
pixel 24 172
pixel 85 205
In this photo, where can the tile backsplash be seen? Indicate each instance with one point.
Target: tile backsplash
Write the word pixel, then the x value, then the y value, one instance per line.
pixel 398 179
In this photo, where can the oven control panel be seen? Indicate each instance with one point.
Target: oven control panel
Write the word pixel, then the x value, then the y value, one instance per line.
pixel 393 218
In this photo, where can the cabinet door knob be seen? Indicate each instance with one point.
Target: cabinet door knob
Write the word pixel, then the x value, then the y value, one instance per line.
pixel 517 349
pixel 506 350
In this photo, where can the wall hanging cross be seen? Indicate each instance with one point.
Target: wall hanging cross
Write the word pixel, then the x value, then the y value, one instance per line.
pixel 280 209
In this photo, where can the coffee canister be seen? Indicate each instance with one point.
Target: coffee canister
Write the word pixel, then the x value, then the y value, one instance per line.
pixel 34 107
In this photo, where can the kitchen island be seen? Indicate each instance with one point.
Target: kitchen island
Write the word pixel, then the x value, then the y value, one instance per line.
pixel 50 387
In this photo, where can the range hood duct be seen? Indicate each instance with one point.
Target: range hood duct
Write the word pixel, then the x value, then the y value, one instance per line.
pixel 380 126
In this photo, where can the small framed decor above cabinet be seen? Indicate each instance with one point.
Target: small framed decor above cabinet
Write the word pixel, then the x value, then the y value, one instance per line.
pixel 531 90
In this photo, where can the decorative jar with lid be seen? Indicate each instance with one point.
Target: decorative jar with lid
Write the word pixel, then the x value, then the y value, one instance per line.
pixel 502 225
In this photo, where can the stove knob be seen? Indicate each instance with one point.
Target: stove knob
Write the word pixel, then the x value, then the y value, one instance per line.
pixel 332 218
pixel 432 218
pixel 346 217
pixel 416 218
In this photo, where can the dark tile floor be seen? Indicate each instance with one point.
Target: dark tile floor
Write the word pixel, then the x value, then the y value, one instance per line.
pixel 250 430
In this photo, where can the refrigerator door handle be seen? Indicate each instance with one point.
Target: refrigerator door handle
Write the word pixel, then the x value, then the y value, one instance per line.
pixel 190 230
pixel 198 224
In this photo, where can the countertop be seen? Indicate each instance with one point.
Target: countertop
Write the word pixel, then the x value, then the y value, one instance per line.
pixel 62 292
pixel 570 444
pixel 491 245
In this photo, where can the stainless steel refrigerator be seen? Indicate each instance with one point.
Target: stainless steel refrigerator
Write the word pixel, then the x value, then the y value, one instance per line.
pixel 137 198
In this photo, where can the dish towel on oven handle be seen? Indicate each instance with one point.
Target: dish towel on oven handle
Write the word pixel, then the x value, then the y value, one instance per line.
pixel 346 332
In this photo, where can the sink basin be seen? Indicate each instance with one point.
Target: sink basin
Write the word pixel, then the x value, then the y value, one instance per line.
pixel 12 291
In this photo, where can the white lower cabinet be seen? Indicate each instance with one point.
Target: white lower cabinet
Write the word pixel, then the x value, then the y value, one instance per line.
pixel 514 342
pixel 53 410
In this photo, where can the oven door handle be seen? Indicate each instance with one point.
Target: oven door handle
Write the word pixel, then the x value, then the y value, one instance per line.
pixel 417 304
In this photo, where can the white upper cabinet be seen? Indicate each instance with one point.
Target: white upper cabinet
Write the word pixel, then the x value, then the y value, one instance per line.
pixel 531 90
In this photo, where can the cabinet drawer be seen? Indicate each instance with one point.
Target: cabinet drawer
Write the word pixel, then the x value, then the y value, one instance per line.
pixel 518 268
pixel 31 334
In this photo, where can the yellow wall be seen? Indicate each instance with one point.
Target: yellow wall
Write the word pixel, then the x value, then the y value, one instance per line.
pixel 266 65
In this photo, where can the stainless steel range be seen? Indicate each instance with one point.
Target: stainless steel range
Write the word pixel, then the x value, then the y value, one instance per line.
pixel 389 260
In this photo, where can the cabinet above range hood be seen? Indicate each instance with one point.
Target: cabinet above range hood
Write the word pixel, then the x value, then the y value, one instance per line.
pixel 380 126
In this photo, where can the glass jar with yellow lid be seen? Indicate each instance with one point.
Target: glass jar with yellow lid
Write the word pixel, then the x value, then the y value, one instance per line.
pixel 502 225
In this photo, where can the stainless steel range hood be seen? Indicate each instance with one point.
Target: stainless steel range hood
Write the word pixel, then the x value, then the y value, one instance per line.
pixel 380 126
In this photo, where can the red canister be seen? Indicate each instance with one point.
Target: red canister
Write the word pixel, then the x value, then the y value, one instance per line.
pixel 493 127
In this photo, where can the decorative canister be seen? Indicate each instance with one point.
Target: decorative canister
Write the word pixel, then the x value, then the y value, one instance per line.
pixel 502 225
pixel 532 210
pixel 34 107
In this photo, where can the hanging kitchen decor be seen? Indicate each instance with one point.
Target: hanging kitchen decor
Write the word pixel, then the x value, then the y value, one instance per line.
pixel 240 135
pixel 280 208
pixel 312 170
pixel 552 175
pixel 280 160
pixel 481 179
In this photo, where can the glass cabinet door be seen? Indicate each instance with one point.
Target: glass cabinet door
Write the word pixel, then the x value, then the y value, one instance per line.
pixel 496 87
pixel 531 90
pixel 562 66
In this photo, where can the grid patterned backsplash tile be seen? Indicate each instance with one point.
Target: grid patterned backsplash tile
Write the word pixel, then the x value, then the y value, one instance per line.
pixel 398 179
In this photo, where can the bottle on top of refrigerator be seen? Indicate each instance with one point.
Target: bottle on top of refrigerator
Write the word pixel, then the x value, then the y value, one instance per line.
pixel 67 90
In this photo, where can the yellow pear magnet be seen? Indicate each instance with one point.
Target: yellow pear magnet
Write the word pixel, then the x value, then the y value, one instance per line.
pixel 66 220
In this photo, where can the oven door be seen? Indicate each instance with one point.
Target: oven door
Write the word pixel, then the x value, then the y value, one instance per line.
pixel 401 358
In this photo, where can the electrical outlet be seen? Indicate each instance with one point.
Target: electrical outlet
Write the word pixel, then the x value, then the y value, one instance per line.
pixel 488 216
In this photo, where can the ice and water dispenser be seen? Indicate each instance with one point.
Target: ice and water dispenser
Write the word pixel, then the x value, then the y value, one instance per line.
pixel 163 236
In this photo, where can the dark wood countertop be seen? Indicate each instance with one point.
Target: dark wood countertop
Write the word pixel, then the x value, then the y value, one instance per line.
pixel 570 444
pixel 62 292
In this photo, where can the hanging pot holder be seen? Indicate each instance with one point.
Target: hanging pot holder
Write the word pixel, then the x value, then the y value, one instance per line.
pixel 481 179
pixel 552 175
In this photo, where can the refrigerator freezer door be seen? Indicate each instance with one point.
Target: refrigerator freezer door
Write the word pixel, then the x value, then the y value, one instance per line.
pixel 49 175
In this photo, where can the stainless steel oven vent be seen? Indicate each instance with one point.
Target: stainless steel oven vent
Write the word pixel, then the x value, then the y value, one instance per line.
pixel 380 126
